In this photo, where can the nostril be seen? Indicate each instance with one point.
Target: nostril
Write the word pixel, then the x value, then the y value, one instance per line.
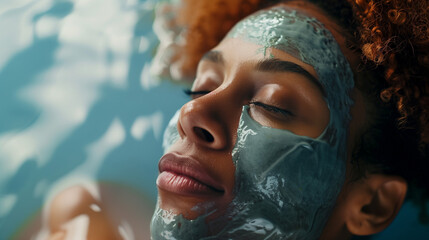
pixel 203 134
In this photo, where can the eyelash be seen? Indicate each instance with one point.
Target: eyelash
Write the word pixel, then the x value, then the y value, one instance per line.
pixel 194 94
pixel 272 109
pixel 269 108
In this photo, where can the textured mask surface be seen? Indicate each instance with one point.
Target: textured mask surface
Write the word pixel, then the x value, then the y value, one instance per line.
pixel 285 185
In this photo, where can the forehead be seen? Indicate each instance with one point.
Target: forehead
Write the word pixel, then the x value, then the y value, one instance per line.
pixel 288 30
pixel 339 33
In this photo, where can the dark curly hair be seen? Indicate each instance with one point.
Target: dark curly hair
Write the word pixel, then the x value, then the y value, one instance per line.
pixel 392 37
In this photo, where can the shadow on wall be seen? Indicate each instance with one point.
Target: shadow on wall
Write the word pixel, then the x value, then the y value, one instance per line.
pixel 77 100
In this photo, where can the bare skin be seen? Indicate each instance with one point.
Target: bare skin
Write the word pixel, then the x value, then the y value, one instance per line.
pixel 120 212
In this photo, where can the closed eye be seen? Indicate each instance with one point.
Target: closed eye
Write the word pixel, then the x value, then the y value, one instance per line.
pixel 272 109
pixel 195 94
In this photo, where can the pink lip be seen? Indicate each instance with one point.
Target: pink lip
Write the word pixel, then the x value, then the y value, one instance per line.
pixel 185 176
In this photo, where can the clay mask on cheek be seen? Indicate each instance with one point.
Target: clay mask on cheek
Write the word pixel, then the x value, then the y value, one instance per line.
pixel 285 185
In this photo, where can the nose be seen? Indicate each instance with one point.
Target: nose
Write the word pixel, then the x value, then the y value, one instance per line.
pixel 201 123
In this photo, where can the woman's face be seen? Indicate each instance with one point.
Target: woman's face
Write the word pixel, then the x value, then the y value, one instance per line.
pixel 260 148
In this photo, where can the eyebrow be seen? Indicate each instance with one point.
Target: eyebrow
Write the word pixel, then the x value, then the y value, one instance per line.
pixel 269 65
pixel 213 56
pixel 277 65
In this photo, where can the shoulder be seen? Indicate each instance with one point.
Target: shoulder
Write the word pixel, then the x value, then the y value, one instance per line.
pixel 75 211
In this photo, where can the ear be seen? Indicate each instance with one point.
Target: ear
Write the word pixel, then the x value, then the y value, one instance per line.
pixel 373 202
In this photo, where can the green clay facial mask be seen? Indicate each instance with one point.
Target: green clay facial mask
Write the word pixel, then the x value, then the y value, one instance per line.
pixel 286 185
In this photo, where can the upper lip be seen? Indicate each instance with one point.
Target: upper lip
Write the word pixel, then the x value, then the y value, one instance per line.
pixel 189 167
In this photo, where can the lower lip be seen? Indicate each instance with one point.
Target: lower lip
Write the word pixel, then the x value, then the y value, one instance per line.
pixel 183 185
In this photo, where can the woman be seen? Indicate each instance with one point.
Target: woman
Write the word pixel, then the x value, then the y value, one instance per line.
pixel 307 120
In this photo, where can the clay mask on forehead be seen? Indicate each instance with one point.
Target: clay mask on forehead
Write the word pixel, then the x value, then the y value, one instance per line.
pixel 285 185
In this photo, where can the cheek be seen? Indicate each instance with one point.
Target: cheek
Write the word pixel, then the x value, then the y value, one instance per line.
pixel 309 164
pixel 290 181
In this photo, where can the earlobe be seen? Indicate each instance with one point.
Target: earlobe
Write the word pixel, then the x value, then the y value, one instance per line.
pixel 373 203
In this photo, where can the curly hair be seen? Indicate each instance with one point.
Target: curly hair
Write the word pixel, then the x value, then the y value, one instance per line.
pixel 206 26
pixel 392 37
pixel 395 34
